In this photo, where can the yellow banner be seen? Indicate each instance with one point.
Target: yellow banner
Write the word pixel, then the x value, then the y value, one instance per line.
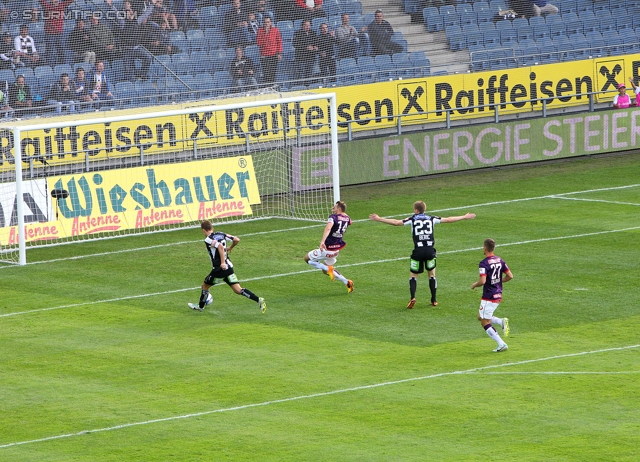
pixel 367 107
pixel 144 197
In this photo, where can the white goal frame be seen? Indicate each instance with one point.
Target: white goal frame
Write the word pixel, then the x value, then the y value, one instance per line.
pixel 17 129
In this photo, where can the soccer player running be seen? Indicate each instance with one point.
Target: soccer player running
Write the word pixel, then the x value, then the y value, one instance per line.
pixel 331 243
pixel 424 252
pixel 491 270
pixel 222 268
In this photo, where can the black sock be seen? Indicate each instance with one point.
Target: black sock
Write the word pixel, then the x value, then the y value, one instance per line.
pixel 433 285
pixel 203 298
pixel 247 293
pixel 413 285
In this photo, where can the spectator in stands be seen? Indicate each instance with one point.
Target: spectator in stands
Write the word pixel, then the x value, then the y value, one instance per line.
pixel 156 40
pixel 242 70
pixel 7 59
pixel 102 40
pixel 253 26
pixel 4 13
pixel 162 16
pixel 138 6
pixel 187 14
pixel 99 85
pixel 380 33
pixel 348 38
pixel 622 100
pixel 305 44
pixel 236 26
pixel 80 44
pixel 523 8
pixel 131 39
pixel 542 6
pixel 81 86
pixel 636 90
pixel 53 11
pixel 309 9
pixel 4 104
pixel 63 95
pixel 25 48
pixel 270 42
pixel 326 51
pixel 20 96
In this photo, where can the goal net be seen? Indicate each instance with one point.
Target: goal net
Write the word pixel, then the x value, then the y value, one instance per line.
pixel 102 175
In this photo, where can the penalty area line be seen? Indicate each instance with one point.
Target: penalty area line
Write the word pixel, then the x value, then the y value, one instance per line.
pixel 313 395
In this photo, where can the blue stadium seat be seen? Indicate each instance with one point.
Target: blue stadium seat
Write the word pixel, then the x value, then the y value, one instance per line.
pixel 348 71
pixel 468 17
pixel 179 41
pixel 624 23
pixel 536 21
pixel 504 24
pixel 524 33
pixel 574 27
pixel 432 19
pixel 331 7
pixel 557 29
pixel 449 16
pixel 63 68
pixel 541 32
pixel 181 63
pixel 421 64
pixel 519 22
pixel 567 6
pixel 200 62
pixel 530 56
pixel 286 30
pixel 485 16
pixel 222 81
pixel 205 85
pixel 352 8
pixel 591 25
pixel 596 44
pixel 215 38
pixel 147 94
pixel 403 65
pixel 492 38
pixel 475 38
pixel 368 69
pixel 208 17
pixel 479 6
pixel 508 37
pixel 196 40
pixel 125 92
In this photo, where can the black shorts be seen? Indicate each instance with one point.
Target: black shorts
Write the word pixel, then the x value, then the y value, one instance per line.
pixel 217 275
pixel 422 257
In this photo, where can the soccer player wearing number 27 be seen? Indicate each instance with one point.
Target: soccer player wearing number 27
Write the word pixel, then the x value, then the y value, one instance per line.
pixel 222 268
pixel 491 270
pixel 424 252
pixel 331 243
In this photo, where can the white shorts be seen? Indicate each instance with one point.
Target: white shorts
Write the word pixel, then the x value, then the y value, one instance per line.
pixel 487 308
pixel 327 256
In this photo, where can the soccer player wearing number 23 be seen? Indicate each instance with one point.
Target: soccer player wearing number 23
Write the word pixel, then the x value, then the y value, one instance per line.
pixel 424 251
pixel 491 270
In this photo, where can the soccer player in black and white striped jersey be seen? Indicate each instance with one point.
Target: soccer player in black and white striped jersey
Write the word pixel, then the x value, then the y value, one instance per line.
pixel 222 268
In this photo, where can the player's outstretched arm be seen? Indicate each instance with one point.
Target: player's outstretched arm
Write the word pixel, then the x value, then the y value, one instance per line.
pixel 467 216
pixel 389 221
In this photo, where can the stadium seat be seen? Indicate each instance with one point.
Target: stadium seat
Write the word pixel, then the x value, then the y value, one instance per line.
pixel 348 72
pixel 530 56
pixel 286 30
pixel 179 41
pixel 208 17
pixel 624 23
pixel 432 19
pixel 475 38
pixel 449 16
pixel 403 65
pixel 331 7
pixel 504 24
pixel 591 25
pixel 196 40
pixel 468 17
pixel 205 85
pixel 352 8
pixel 125 93
pixel 147 94
pixel 200 62
pixel 524 33
pixel 567 6
pixel 479 6
pixel 420 63
pixel 557 29
pixel 215 38
pixel 181 63
pixel 492 38
pixel 576 26
pixel 541 32
pixel 508 37
pixel 63 68
pixel 485 16
pixel 368 69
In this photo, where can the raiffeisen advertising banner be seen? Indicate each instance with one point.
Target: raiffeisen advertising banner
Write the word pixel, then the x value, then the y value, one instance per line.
pixel 145 197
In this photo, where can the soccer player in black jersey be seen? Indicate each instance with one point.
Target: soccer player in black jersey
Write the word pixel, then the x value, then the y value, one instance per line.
pixel 222 268
pixel 424 251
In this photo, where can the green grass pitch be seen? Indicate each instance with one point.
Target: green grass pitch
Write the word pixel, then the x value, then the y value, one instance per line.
pixel 102 360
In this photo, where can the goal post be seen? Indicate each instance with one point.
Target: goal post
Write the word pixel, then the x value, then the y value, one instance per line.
pixel 105 176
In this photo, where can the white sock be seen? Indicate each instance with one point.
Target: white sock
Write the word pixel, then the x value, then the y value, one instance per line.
pixel 340 277
pixel 491 332
pixel 497 321
pixel 320 266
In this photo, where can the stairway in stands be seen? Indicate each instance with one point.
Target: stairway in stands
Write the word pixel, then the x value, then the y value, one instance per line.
pixel 433 44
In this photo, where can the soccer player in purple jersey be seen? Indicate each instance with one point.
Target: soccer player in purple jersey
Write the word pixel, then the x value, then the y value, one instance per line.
pixel 491 270
pixel 331 243
pixel 424 252
pixel 222 268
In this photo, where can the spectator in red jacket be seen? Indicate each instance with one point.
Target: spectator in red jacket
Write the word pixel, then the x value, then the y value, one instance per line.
pixel 270 42
pixel 53 11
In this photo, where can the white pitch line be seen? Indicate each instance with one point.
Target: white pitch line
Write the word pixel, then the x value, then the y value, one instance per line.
pixel 594 200
pixel 558 373
pixel 314 395
pixel 296 273
pixel 484 204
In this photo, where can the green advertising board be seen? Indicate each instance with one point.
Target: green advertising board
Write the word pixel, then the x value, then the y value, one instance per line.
pixel 488 145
